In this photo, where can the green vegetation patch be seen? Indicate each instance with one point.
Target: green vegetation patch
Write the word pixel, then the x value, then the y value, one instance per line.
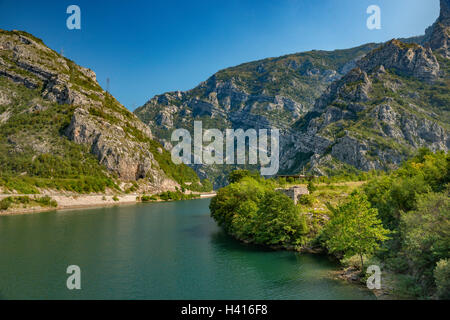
pixel 26 202
pixel 252 211
pixel 169 196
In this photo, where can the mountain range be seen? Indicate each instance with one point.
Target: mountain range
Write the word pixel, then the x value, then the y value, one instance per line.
pixel 364 108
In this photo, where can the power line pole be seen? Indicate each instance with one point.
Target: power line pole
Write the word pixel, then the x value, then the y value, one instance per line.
pixel 107 85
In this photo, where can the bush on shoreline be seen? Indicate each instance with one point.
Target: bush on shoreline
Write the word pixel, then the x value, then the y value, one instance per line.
pixel 26 201
pixel 169 196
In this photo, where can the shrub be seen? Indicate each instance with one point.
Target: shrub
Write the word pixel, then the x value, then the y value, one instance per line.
pixel 306 199
pixel 5 204
pixel 311 187
pixel 145 198
pixel 46 201
pixel 442 278
pixel 407 285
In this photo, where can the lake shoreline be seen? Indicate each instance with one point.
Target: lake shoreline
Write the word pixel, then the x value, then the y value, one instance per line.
pixel 75 202
pixel 348 274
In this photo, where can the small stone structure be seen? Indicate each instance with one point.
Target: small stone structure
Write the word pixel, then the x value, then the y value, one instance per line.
pixel 294 192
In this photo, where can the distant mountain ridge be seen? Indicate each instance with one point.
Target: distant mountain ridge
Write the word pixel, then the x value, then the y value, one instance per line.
pixel 250 95
pixel 253 90
pixel 295 92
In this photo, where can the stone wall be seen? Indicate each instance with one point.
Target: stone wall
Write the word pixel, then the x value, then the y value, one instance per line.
pixel 294 192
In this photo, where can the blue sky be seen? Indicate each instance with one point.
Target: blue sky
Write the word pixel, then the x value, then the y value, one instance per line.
pixel 151 47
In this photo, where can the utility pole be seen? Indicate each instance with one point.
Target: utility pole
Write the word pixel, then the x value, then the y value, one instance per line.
pixel 107 85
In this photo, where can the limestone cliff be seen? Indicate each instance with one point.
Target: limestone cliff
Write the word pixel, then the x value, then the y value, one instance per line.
pixel 393 102
pixel 36 79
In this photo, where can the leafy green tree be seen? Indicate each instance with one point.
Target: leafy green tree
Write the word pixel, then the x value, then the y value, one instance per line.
pixel 398 192
pixel 253 211
pixel 378 192
pixel 442 276
pixel 354 228
pixel 233 200
pixel 426 237
pixel 278 221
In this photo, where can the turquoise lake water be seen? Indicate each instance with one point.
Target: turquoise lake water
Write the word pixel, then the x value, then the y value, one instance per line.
pixel 171 250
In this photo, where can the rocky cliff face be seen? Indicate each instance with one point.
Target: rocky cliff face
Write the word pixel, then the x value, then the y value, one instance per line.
pixel 117 138
pixel 271 93
pixel 437 37
pixel 409 59
pixel 130 159
pixel 268 93
pixel 377 114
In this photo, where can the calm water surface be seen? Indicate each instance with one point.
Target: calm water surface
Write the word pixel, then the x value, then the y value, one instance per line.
pixel 152 251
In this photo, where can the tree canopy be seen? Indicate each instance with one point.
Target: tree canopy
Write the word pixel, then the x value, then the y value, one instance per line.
pixel 254 212
pixel 354 228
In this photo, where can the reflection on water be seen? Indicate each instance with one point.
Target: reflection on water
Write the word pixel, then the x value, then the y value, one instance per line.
pixel 152 251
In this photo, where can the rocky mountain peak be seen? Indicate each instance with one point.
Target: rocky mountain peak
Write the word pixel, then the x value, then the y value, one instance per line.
pixel 408 58
pixel 444 16
pixel 437 36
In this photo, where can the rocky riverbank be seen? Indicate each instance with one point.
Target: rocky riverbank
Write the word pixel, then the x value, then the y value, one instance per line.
pixel 353 275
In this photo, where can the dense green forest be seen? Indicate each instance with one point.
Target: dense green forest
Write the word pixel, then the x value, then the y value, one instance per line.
pixel 399 220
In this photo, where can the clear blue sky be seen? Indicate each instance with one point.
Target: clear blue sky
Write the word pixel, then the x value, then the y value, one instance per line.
pixel 150 47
